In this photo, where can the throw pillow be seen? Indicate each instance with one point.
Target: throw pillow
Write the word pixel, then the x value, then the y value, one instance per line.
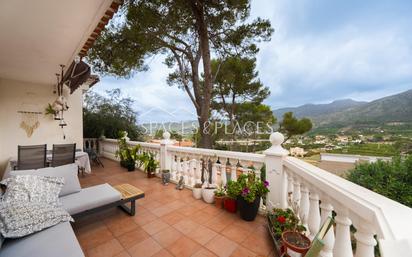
pixel 29 188
pixel 18 219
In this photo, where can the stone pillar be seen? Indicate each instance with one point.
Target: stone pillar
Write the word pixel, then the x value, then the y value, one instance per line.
pixel 274 157
pixel 165 158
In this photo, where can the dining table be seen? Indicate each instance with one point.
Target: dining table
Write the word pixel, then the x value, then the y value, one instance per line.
pixel 81 159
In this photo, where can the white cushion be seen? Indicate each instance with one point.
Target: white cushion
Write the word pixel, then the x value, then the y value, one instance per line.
pixel 68 172
pixel 90 198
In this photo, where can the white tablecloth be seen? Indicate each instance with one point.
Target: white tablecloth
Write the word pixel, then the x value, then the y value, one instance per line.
pixel 81 159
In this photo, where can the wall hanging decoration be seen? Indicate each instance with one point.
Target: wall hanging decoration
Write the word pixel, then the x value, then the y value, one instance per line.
pixel 29 121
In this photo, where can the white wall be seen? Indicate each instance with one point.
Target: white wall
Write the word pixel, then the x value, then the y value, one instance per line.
pixel 22 96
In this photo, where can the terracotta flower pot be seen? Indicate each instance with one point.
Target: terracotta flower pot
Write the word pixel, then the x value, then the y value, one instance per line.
pixel 296 242
pixel 219 201
pixel 230 204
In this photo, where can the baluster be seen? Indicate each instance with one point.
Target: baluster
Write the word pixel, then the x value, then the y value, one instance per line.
pixel 214 172
pixel 223 174
pixel 296 192
pixel 192 175
pixel 304 206
pixel 198 169
pixel 343 246
pixel 365 241
pixel 178 167
pixel 185 170
pixel 329 238
pixel 314 214
pixel 233 175
pixel 290 183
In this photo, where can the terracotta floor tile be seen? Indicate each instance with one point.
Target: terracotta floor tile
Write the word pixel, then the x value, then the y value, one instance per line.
pixel 235 233
pixel 161 211
pixel 204 253
pixel 155 226
pixel 146 248
pixel 184 247
pixel 186 226
pixel 221 246
pixel 119 227
pixel 123 254
pixel 108 249
pixel 97 234
pixel 201 217
pixel 144 219
pixel 162 253
pixel 243 252
pixel 133 237
pixel 218 224
pixel 202 235
pixel 257 243
pixel 173 218
pixel 167 236
pixel 187 210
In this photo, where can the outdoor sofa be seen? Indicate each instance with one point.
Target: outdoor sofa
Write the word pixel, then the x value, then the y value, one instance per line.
pixel 60 240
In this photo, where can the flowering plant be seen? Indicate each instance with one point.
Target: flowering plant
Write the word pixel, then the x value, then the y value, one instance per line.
pixel 233 189
pixel 283 220
pixel 252 187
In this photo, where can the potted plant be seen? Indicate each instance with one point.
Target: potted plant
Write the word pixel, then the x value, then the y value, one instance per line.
pixel 280 220
pixel 149 163
pixel 165 177
pixel 232 192
pixel 293 238
pixel 219 197
pixel 208 192
pixel 197 191
pixel 253 189
pixel 127 155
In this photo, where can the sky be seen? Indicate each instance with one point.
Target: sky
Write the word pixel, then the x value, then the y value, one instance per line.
pixel 321 51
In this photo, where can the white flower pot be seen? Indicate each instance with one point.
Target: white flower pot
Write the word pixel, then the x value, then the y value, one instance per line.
pixel 208 194
pixel 197 193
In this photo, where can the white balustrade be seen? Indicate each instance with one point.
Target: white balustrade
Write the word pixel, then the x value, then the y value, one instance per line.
pixel 314 214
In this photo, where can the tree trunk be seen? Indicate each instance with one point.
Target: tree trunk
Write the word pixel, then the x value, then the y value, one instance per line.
pixel 201 26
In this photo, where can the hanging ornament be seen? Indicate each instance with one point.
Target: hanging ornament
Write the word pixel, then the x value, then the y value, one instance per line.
pixel 29 122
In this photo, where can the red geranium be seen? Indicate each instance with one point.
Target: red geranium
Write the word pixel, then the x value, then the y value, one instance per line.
pixel 281 219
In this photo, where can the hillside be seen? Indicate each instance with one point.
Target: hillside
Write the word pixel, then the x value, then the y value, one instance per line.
pixel 394 108
pixel 317 110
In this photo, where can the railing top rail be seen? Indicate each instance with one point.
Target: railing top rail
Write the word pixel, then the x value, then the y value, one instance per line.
pixel 218 153
pixel 143 144
pixel 389 216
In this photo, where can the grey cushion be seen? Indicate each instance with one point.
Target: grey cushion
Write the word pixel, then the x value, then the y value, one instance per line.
pixel 68 172
pixel 90 198
pixel 52 242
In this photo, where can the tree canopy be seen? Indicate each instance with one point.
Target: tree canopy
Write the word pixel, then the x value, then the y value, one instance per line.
pixel 188 33
pixel 108 115
pixel 292 126
pixel 392 179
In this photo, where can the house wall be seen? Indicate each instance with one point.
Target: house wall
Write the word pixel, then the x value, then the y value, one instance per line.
pixel 22 96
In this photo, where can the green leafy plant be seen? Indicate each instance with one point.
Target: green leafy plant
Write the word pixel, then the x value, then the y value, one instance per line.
pixel 252 187
pixel 220 191
pixel 149 162
pixel 392 179
pixel 127 155
pixel 49 110
pixel 233 189
pixel 284 220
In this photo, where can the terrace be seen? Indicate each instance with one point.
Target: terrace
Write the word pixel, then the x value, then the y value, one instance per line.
pixel 168 222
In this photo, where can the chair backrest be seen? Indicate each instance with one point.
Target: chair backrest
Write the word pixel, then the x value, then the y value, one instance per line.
pixel 63 154
pixel 31 157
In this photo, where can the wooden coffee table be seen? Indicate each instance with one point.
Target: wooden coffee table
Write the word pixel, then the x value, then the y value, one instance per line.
pixel 129 195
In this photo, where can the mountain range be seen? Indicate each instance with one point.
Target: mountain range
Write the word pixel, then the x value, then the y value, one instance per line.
pixel 394 108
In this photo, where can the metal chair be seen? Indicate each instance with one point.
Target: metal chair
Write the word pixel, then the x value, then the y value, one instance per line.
pixel 63 154
pixel 31 157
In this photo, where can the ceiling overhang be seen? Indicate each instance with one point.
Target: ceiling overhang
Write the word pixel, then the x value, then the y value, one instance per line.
pixel 37 36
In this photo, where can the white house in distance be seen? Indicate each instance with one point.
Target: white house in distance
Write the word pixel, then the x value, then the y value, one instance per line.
pixel 32 46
